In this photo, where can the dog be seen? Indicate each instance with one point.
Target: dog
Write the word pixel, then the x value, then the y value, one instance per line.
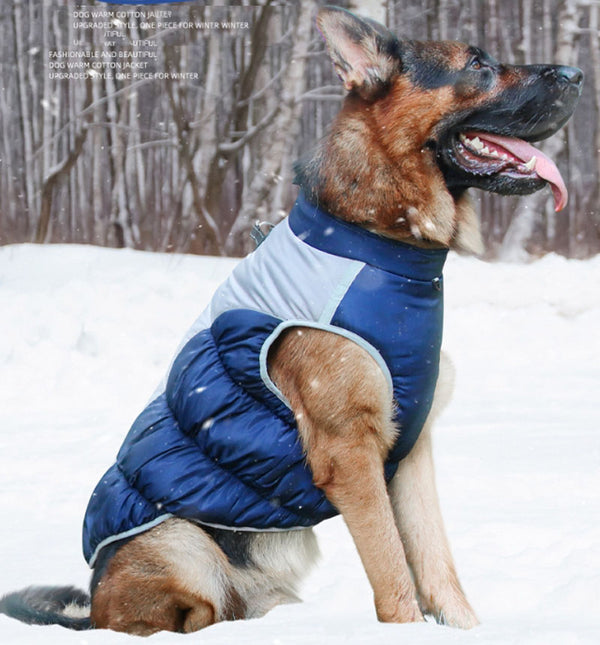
pixel 307 387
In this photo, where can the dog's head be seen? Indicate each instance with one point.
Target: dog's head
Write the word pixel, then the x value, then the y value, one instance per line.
pixel 443 113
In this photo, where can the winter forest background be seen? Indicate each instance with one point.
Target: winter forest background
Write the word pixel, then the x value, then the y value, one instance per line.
pixel 190 165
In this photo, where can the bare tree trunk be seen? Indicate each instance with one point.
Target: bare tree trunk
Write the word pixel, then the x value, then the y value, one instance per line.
pixel 595 55
pixel 241 115
pixel 120 232
pixel 60 173
pixel 285 130
pixel 98 168
pixel 21 57
pixel 7 187
pixel 525 44
pixel 532 207
pixel 494 32
pixel 443 19
pixel 206 132
pixel 547 30
pixel 206 228
pixel 136 157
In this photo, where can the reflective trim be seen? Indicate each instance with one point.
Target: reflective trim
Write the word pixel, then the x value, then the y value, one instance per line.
pixel 361 342
pixel 162 518
pixel 250 529
pixel 125 534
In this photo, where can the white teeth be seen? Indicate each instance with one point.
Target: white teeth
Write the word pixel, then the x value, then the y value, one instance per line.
pixel 473 143
pixel 478 145
pixel 530 165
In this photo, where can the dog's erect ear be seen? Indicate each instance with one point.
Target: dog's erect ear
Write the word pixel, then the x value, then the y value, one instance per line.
pixel 366 56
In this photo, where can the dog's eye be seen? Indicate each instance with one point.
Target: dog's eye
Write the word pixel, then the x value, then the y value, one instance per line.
pixel 475 63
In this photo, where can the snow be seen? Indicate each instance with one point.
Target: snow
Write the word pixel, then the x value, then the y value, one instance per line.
pixel 87 333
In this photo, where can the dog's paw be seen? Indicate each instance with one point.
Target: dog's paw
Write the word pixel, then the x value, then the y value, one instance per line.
pixel 446 602
pixel 412 613
pixel 402 612
pixel 456 614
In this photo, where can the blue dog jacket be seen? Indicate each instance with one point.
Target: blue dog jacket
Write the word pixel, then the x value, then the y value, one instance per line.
pixel 219 444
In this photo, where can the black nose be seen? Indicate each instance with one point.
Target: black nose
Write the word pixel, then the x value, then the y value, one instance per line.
pixel 570 74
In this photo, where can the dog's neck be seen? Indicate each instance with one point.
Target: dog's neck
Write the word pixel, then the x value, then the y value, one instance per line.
pixel 352 175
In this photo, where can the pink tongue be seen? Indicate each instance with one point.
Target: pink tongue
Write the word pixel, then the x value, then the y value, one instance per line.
pixel 544 166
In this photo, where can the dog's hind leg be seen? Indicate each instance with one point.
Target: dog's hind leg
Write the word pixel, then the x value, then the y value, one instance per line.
pixel 344 407
pixel 172 577
pixel 416 506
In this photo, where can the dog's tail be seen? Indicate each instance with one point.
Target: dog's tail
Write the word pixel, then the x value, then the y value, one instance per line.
pixel 66 606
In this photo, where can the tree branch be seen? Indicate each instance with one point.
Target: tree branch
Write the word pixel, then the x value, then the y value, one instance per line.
pixel 234 146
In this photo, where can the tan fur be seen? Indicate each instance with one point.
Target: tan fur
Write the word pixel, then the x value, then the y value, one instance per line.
pixel 174 577
pixel 417 511
pixel 344 407
pixel 398 189
pixel 281 560
pixel 467 237
pixel 418 208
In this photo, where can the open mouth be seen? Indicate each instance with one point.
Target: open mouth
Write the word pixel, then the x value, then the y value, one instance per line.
pixel 484 154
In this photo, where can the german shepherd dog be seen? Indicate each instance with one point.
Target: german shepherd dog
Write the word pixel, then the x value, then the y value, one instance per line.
pixel 421 123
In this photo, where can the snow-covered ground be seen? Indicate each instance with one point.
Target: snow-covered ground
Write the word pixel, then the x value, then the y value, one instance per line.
pixel 86 334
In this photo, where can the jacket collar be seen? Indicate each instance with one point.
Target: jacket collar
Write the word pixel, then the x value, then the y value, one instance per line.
pixel 325 232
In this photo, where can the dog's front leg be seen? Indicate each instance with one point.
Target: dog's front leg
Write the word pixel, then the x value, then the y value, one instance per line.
pixel 344 409
pixel 416 506
pixel 352 479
